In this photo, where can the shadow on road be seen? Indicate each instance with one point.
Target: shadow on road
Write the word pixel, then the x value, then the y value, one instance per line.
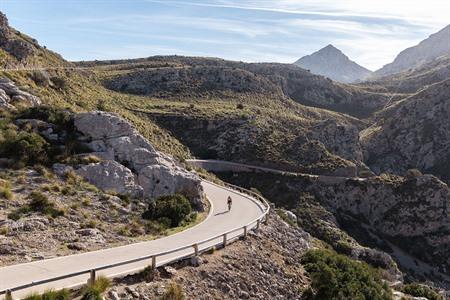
pixel 222 213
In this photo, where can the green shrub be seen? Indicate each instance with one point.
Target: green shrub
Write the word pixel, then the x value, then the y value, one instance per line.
pixel 336 276
pixel 60 118
pixel 40 203
pixel 95 290
pixel 419 290
pixel 56 295
pixel 59 82
pixel 173 292
pixel 5 190
pixel 173 207
pixel 26 148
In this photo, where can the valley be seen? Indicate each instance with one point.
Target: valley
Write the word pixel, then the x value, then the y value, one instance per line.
pixel 363 164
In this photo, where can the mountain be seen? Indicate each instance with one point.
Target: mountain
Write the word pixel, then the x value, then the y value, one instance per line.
pixel 262 114
pixel 435 45
pixel 413 80
pixel 334 64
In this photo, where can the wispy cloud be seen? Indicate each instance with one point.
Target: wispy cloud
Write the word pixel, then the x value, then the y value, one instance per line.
pixel 369 32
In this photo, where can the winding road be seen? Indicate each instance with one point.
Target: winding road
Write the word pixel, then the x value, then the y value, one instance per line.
pixel 245 210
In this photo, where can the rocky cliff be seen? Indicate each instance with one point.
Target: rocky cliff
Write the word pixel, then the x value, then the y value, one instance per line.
pixel 332 63
pixel 385 213
pixel 414 133
pixel 131 164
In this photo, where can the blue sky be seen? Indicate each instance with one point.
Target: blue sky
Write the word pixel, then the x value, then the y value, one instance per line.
pixel 371 32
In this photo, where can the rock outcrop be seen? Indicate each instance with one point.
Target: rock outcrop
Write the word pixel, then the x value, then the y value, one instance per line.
pixel 10 95
pixel 414 133
pixel 111 176
pixel 132 165
pixel 20 49
pixel 332 63
pixel 386 212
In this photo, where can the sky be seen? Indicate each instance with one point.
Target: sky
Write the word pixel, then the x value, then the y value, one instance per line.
pixel 370 32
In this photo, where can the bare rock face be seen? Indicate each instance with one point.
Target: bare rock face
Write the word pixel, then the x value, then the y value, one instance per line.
pixel 412 212
pixel 132 162
pixel 11 94
pixel 16 47
pixel 4 29
pixel 111 176
pixel 414 133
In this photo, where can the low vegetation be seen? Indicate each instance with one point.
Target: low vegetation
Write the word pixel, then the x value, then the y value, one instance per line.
pixel 170 210
pixel 40 203
pixel 94 291
pixel 336 276
pixel 50 295
pixel 173 292
pixel 420 290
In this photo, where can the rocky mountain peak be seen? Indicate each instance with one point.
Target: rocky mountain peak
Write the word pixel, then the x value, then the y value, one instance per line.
pixel 333 63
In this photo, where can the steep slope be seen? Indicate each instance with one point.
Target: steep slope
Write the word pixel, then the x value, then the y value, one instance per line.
pixel 20 50
pixel 435 45
pixel 332 63
pixel 412 80
pixel 413 133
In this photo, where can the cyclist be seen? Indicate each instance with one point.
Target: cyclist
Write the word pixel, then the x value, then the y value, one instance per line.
pixel 229 202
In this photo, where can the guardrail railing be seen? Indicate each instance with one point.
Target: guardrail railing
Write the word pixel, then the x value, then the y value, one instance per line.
pixel 225 238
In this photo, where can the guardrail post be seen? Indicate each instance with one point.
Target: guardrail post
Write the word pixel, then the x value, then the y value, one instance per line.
pixel 154 262
pixel 258 224
pixel 195 249
pixel 91 277
pixel 224 240
pixel 245 232
pixel 266 219
pixel 8 294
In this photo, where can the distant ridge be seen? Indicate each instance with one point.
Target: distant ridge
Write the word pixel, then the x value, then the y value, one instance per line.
pixel 436 45
pixel 332 63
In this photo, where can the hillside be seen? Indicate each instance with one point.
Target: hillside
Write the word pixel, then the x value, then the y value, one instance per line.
pixel 427 50
pixel 413 133
pixel 158 111
pixel 413 80
pixel 189 77
pixel 332 63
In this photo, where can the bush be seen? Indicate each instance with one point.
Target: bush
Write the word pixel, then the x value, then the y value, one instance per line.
pixel 95 290
pixel 5 190
pixel 173 292
pixel 419 290
pixel 25 148
pixel 40 203
pixel 173 207
pixel 50 295
pixel 41 78
pixel 240 106
pixel 413 173
pixel 60 118
pixel 336 276
pixel 59 82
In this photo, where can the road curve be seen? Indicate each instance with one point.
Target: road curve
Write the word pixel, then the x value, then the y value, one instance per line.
pixel 219 220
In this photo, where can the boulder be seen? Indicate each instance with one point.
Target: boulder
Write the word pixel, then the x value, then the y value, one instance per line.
pixel 10 93
pixel 157 173
pixel 111 176
pixel 159 180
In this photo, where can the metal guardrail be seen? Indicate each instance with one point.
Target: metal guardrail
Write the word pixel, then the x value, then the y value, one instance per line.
pixel 196 250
